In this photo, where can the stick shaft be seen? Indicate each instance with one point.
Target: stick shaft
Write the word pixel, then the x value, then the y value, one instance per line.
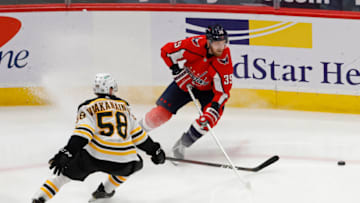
pixel 266 163
pixel 214 136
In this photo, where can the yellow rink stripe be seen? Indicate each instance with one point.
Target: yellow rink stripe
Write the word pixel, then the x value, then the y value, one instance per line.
pixel 252 98
pixel 248 98
pixel 15 96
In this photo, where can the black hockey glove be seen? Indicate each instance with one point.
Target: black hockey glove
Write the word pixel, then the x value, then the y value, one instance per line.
pixel 175 69
pixel 158 156
pixel 60 161
pixel 154 150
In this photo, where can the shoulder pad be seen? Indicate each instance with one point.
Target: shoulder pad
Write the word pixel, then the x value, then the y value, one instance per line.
pixel 119 99
pixel 86 102
pixel 196 41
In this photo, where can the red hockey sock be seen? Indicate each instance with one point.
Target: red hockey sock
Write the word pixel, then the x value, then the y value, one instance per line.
pixel 156 117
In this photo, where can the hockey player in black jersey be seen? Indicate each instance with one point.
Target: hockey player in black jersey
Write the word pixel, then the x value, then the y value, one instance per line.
pixel 106 138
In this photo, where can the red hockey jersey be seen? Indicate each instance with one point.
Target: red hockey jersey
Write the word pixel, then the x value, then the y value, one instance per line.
pixel 213 73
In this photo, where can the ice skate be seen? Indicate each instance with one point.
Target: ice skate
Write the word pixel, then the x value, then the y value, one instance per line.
pixel 178 151
pixel 100 193
pixel 39 200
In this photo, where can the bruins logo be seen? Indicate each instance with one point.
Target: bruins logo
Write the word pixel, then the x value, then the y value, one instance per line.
pixel 82 115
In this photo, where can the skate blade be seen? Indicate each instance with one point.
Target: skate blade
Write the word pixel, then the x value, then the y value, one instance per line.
pixel 92 199
pixel 175 163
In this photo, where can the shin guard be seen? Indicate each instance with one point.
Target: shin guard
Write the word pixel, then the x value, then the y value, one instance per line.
pixel 155 118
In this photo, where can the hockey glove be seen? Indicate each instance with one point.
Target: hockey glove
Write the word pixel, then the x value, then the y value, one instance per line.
pixel 175 69
pixel 181 76
pixel 158 156
pixel 60 161
pixel 210 116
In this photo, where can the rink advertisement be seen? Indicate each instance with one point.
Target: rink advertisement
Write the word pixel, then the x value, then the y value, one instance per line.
pixel 284 53
pixel 281 61
pixel 14 65
pixel 46 52
pixel 290 62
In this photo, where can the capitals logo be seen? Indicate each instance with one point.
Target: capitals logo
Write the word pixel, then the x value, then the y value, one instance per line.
pixel 224 61
pixel 9 29
pixel 257 32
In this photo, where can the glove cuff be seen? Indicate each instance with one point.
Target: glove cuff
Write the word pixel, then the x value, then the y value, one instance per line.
pixel 213 112
pixel 155 149
pixel 149 146
pixel 175 69
pixel 215 106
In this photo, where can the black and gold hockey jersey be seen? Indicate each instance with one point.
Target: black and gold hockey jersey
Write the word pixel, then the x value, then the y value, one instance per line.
pixel 111 129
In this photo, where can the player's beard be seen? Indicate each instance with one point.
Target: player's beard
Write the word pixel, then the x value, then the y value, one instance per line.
pixel 216 52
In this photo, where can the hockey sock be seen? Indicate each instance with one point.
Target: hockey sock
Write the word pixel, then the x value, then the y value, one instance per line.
pixel 113 182
pixel 154 118
pixel 194 133
pixel 51 187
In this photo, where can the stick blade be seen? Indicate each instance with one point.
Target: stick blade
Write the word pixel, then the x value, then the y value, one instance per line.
pixel 268 162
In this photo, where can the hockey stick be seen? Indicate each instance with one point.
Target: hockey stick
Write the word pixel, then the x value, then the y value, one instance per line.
pixel 244 182
pixel 265 164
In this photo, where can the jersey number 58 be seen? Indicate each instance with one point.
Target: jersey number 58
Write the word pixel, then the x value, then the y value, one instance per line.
pixel 121 124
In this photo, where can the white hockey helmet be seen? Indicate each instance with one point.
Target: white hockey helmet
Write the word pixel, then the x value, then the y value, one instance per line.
pixel 103 83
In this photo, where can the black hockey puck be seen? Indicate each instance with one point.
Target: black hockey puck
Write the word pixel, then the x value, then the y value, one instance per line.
pixel 341 163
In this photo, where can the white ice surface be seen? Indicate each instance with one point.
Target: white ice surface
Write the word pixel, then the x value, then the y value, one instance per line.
pixel 309 144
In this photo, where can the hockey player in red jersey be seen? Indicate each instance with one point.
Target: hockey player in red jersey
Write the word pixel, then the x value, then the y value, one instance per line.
pixel 208 69
pixel 106 138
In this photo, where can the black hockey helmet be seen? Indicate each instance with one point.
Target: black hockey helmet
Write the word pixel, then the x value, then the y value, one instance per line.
pixel 216 33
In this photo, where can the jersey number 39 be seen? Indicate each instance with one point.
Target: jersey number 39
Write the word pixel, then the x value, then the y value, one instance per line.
pixel 228 79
